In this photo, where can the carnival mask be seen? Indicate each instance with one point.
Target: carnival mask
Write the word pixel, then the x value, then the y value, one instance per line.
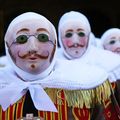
pixel 31 45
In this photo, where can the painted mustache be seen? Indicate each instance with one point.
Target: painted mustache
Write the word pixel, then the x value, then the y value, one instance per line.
pixel 75 45
pixel 43 55
pixel 117 50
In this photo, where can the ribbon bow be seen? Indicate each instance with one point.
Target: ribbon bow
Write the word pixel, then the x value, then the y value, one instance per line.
pixel 13 92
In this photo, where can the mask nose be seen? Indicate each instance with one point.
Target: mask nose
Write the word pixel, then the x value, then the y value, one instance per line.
pixel 117 44
pixel 75 38
pixel 33 44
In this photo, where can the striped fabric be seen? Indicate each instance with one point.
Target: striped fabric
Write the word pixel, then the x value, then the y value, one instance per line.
pixel 13 112
pixel 63 112
pixel 16 111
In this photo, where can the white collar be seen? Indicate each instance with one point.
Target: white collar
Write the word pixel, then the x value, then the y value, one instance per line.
pixel 78 76
pixel 104 59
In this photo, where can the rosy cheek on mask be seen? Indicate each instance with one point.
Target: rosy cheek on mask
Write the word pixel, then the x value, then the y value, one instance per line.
pixel 82 41
pixel 67 42
pixel 112 48
pixel 108 47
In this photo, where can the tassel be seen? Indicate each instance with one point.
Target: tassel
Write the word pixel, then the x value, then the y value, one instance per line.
pixel 81 98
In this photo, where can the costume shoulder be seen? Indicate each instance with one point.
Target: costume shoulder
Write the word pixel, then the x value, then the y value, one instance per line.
pixel 82 97
pixel 60 54
pixel 7 76
pixel 104 58
pixel 74 75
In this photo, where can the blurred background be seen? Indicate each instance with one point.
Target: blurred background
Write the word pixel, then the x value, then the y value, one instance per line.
pixel 102 15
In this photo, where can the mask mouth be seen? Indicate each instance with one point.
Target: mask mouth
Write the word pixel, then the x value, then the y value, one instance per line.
pixel 75 45
pixel 117 50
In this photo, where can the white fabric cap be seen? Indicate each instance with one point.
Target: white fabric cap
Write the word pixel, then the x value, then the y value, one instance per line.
pixel 98 42
pixel 92 39
pixel 75 16
pixel 108 33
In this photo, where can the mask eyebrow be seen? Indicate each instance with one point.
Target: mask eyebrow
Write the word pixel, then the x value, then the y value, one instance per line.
pixel 112 37
pixel 80 29
pixel 69 30
pixel 42 29
pixel 23 30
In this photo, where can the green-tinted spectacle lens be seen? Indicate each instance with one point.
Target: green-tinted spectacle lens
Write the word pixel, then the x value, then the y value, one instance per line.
pixel 81 34
pixel 43 38
pixel 68 35
pixel 21 39
pixel 112 42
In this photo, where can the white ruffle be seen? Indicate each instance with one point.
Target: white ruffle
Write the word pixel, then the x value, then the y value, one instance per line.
pixel 78 76
pixel 104 59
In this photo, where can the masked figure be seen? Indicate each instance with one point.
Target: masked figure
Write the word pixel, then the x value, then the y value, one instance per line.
pixel 110 40
pixel 74 33
pixel 30 43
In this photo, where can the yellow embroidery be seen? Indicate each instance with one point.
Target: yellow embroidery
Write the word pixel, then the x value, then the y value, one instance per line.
pixel 80 98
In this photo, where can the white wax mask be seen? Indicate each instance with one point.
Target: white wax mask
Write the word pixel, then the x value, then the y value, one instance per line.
pixel 31 44
pixel 111 40
pixel 31 49
pixel 74 39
